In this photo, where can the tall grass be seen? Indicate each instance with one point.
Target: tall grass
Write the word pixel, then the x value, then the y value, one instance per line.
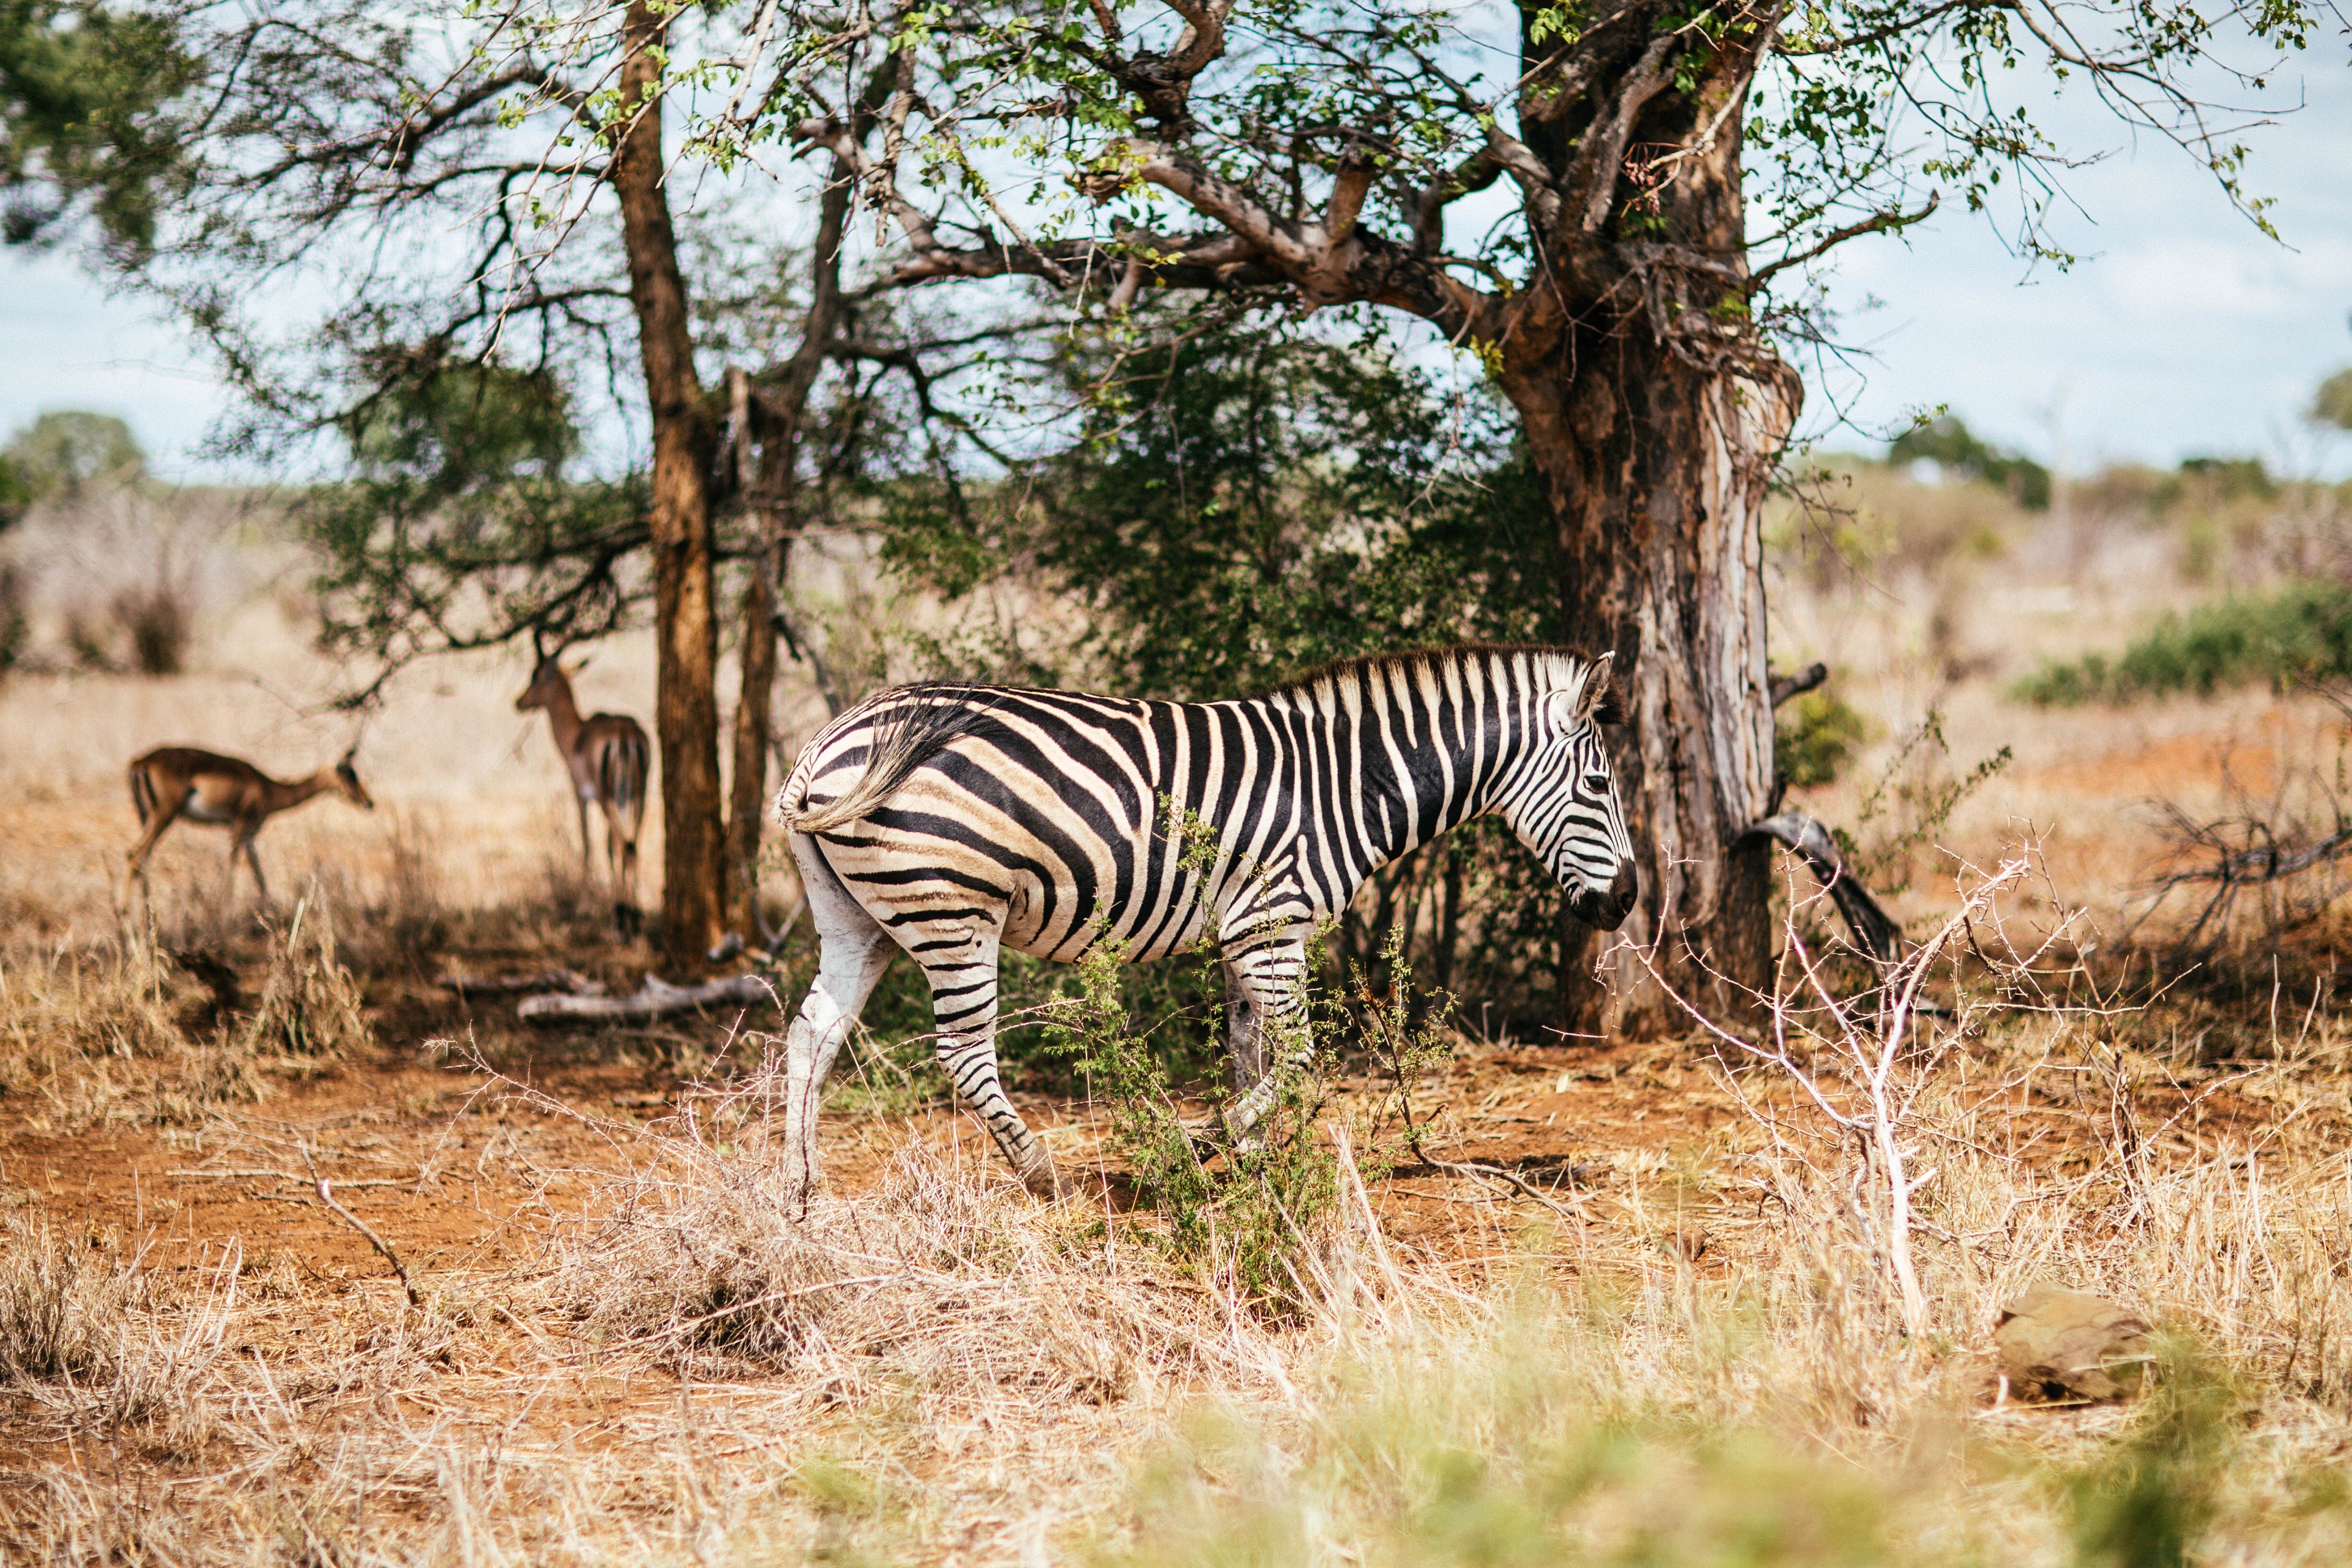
pixel 2302 631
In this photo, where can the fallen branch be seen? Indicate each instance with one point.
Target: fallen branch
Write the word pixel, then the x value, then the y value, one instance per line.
pixel 1783 687
pixel 1874 931
pixel 556 979
pixel 1478 1171
pixel 772 942
pixel 277 1175
pixel 657 998
pixel 319 1183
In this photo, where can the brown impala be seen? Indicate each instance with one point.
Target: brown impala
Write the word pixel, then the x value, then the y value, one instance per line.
pixel 607 758
pixel 175 781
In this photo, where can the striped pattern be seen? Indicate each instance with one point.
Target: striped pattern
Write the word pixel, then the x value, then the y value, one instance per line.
pixel 953 821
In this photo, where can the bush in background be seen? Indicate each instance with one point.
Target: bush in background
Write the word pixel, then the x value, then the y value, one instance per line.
pixel 1948 443
pixel 1814 737
pixel 2302 632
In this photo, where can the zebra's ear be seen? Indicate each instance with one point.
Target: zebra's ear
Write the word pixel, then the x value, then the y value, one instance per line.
pixel 1598 703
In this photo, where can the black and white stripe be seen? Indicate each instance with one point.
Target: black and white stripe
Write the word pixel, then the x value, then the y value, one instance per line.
pixel 955 820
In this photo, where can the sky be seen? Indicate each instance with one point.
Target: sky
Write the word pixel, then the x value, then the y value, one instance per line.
pixel 2181 331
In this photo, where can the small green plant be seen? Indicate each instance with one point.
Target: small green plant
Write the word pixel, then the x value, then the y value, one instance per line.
pixel 1813 744
pixel 2301 632
pixel 2145 1501
pixel 1251 1212
pixel 1407 1042
pixel 1913 798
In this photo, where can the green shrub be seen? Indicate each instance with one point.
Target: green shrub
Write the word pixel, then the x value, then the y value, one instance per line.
pixel 2301 632
pixel 1815 739
pixel 1251 1213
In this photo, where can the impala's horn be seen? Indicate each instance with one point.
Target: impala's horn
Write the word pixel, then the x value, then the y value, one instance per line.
pixel 538 645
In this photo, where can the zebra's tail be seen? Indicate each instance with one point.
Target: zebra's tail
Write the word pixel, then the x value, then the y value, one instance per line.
pixel 910 726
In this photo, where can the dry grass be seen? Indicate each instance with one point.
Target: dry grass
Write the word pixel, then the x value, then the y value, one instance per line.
pixel 1693 1353
pixel 1709 1367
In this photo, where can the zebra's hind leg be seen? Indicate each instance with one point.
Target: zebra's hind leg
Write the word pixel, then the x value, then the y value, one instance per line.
pixel 853 952
pixel 958 957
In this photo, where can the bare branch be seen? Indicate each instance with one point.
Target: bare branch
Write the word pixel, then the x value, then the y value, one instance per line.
pixel 1892 220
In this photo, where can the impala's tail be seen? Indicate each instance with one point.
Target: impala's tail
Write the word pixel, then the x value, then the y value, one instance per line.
pixel 142 793
pixel 623 766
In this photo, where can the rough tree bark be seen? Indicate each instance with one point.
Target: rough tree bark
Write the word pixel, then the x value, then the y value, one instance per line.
pixel 686 704
pixel 1654 417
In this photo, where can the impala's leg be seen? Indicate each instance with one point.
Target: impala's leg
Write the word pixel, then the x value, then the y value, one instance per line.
pixel 612 842
pixel 581 801
pixel 852 955
pixel 625 825
pixel 260 883
pixel 1266 1001
pixel 959 956
pixel 164 816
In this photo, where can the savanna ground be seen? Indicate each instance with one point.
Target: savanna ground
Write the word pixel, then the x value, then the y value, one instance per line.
pixel 1673 1332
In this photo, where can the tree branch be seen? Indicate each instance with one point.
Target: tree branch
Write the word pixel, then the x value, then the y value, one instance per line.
pixel 1892 220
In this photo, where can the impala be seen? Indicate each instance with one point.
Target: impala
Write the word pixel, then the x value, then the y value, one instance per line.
pixel 176 781
pixel 608 758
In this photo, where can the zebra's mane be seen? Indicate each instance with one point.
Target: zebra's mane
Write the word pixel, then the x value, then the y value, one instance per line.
pixel 923 717
pixel 1459 656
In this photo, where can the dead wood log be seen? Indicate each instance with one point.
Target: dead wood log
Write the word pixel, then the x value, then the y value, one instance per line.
pixel 556 979
pixel 657 998
pixel 1874 931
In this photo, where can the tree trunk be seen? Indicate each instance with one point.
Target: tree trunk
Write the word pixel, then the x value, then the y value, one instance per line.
pixel 747 805
pixel 1656 472
pixel 1655 414
pixel 686 704
pixel 778 418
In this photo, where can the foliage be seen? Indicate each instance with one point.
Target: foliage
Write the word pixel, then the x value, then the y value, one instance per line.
pixel 15 625
pixel 86 119
pixel 2147 1500
pixel 1946 441
pixel 2332 404
pixel 1909 803
pixel 1249 503
pixel 2301 632
pixel 2219 479
pixel 1508 1444
pixel 1813 743
pixel 63 452
pixel 16 492
pixel 457 525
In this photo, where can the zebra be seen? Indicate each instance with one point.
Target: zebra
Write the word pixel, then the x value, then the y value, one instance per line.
pixel 955 820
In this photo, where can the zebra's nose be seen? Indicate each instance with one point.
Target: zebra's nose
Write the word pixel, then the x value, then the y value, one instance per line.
pixel 1624 888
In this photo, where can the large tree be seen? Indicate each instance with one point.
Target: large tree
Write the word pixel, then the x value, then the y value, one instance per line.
pixel 1567 191
pixel 445 243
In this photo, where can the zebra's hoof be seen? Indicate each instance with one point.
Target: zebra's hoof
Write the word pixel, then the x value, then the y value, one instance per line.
pixel 1044 1180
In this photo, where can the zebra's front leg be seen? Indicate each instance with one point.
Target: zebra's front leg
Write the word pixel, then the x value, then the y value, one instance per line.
pixel 1265 1005
pixel 960 964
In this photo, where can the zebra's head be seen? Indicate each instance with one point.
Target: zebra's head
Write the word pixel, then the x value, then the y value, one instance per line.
pixel 1566 809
